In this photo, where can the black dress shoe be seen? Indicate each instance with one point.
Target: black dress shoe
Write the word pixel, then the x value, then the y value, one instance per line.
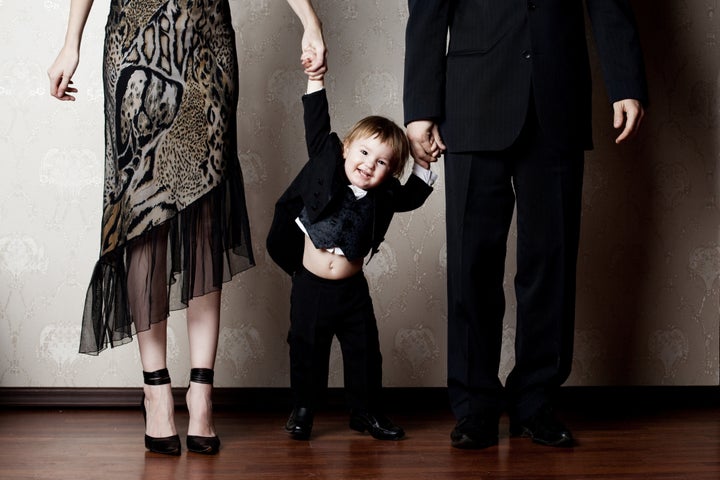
pixel 543 428
pixel 379 426
pixel 476 431
pixel 299 425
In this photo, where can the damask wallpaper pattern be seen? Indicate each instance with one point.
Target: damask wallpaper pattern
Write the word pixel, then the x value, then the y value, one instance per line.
pixel 648 289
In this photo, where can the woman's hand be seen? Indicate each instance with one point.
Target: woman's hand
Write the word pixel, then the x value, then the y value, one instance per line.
pixel 312 39
pixel 61 73
pixel 315 64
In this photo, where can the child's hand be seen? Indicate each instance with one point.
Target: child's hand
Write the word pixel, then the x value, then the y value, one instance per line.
pixel 422 163
pixel 308 59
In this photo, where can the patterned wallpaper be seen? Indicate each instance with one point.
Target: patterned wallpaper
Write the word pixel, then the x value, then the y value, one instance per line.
pixel 648 289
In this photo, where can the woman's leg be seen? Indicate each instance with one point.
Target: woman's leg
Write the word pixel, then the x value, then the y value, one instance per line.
pixel 158 398
pixel 203 323
pixel 147 295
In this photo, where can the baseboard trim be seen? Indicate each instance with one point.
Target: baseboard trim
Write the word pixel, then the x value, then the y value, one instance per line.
pixel 253 399
pixel 397 399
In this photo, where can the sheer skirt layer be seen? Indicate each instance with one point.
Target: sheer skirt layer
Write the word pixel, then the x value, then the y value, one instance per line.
pixel 141 282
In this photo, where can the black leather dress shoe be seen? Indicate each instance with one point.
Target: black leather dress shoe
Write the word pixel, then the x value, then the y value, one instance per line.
pixel 379 426
pixel 543 428
pixel 299 425
pixel 476 431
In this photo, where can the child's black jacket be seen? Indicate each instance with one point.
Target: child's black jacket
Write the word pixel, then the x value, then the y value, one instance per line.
pixel 320 184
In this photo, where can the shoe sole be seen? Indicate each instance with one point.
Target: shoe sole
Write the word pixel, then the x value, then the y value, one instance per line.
pixel 297 436
pixel 562 443
pixel 467 443
pixel 362 428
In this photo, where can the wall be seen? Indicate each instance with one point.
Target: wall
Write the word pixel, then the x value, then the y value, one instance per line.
pixel 648 285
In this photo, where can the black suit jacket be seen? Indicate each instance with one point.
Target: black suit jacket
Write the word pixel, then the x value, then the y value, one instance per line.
pixel 321 184
pixel 503 53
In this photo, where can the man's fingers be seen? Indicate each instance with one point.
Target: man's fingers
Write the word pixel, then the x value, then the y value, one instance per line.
pixel 629 113
pixel 425 142
pixel 632 120
pixel 624 135
pixel 437 138
pixel 420 152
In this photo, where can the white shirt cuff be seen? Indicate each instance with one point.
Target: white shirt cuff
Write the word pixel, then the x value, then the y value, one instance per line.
pixel 425 174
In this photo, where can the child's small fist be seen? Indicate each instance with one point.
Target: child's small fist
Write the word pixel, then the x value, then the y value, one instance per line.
pixel 307 57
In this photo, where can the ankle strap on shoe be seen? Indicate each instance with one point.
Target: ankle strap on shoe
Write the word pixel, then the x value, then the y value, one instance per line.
pixel 158 377
pixel 202 375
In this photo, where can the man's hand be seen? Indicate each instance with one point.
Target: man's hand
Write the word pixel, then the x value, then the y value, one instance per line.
pixel 628 112
pixel 426 146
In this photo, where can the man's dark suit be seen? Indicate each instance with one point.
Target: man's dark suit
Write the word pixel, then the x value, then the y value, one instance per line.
pixel 511 93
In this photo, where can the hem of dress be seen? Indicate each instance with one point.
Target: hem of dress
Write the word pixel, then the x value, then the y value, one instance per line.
pixel 107 321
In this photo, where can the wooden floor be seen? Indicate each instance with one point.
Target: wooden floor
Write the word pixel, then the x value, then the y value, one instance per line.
pixel 106 444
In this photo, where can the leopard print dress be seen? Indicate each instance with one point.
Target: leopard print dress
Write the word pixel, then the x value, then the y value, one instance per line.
pixel 174 222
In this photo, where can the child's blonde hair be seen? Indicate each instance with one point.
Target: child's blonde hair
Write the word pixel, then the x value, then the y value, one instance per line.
pixel 388 132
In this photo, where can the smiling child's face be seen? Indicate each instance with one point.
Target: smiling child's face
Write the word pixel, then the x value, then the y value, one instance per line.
pixel 368 161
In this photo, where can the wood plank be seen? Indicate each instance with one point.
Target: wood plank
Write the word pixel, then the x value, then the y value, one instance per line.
pixel 108 444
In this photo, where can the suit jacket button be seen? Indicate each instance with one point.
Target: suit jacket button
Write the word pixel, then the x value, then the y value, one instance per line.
pixel 526 54
pixel 532 6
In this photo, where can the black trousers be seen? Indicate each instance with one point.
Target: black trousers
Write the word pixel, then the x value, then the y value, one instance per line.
pixel 544 182
pixel 319 310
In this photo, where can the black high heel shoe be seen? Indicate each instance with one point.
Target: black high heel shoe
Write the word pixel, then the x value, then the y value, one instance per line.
pixel 165 445
pixel 196 443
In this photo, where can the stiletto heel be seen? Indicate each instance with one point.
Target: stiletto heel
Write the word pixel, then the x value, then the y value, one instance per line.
pixel 196 443
pixel 165 445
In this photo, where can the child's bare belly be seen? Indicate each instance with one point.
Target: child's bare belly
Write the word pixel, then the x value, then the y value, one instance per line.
pixel 328 265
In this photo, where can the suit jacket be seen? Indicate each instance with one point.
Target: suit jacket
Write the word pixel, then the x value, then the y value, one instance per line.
pixel 321 184
pixel 502 54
